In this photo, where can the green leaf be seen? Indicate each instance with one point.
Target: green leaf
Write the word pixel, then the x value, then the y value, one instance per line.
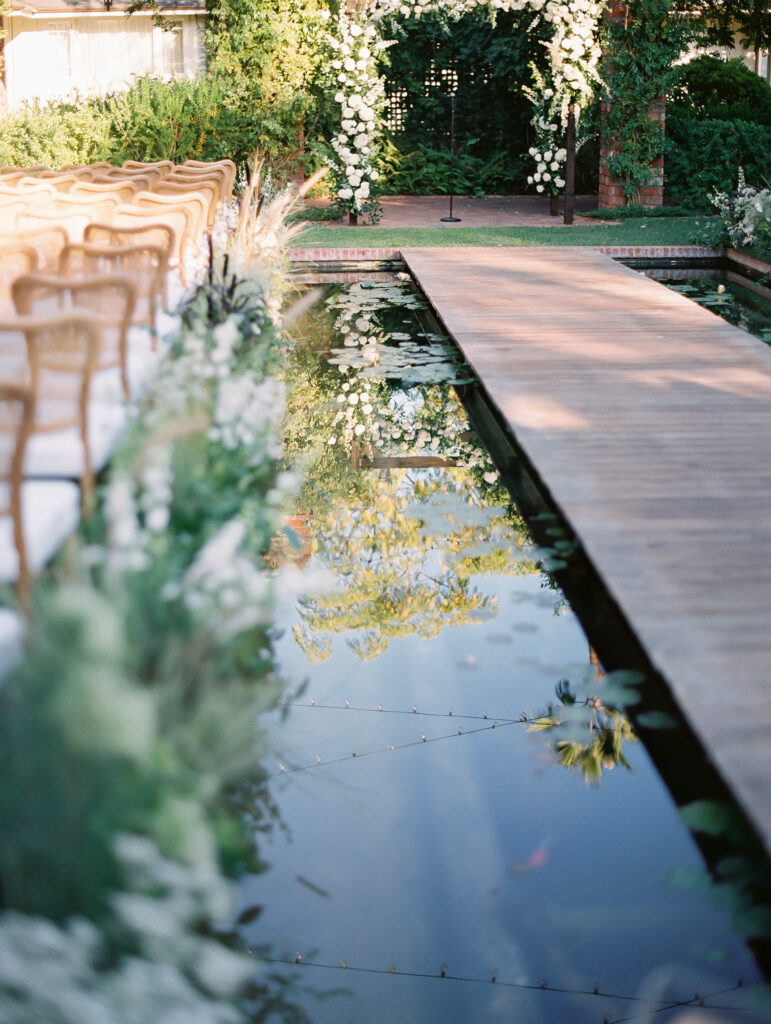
pixel 657 720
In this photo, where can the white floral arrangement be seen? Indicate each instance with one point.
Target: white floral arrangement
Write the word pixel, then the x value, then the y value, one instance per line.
pixel 360 94
pixel 574 55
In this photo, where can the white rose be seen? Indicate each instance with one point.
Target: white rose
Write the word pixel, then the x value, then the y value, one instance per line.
pixel 345 193
pixel 539 188
pixel 350 64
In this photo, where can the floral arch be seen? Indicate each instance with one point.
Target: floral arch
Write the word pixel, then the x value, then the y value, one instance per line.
pixel 558 99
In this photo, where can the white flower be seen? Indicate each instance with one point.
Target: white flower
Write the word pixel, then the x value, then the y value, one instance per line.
pixel 332 440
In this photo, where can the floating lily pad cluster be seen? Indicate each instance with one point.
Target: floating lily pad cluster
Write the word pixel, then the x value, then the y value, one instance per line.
pixel 734 303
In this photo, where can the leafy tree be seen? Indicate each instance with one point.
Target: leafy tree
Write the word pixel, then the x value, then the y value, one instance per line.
pixel 270 54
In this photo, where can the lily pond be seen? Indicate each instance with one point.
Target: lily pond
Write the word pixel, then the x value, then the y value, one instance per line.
pixel 464 825
pixel 738 300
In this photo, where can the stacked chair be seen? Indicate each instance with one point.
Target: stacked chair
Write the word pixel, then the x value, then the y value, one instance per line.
pixel 89 257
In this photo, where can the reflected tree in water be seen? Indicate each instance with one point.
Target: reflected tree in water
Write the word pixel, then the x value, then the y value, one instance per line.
pixel 587 735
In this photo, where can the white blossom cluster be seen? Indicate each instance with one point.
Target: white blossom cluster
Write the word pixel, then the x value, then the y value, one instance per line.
pixel 248 414
pixel 57 974
pixel 360 94
pixel 745 215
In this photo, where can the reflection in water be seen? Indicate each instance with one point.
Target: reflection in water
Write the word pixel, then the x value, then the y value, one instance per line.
pixel 436 863
pixel 744 305
pixel 586 734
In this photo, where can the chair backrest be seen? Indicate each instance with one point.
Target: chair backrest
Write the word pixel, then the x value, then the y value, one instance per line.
pixel 78 171
pixel 47 243
pixel 109 299
pixel 62 353
pixel 17 407
pixel 209 191
pixel 9 177
pixel 219 174
pixel 175 217
pixel 122 189
pixel 145 265
pixel 231 168
pixel 193 205
pixel 139 165
pixel 73 222
pixel 144 232
pixel 31 184
pixel 15 259
pixel 148 174
pixel 60 182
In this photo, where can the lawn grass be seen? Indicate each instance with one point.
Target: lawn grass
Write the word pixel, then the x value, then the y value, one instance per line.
pixel 642 231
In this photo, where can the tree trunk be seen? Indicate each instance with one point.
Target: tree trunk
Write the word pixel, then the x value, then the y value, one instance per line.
pixel 554 205
pixel 353 219
pixel 570 167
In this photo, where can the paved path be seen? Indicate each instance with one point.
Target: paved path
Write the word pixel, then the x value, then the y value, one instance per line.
pixel 649 420
pixel 474 211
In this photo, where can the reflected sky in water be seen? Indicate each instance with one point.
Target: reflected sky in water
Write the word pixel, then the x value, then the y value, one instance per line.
pixel 472 849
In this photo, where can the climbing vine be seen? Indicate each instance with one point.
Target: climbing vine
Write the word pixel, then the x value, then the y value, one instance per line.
pixel 642 45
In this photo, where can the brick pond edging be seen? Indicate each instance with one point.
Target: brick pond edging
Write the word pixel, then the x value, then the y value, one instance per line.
pixel 751 262
pixel 344 255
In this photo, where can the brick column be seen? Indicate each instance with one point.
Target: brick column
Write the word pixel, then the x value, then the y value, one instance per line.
pixel 610 192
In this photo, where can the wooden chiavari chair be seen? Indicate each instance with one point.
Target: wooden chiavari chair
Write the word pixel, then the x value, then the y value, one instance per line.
pixel 141 165
pixel 142 232
pixel 110 300
pixel 62 354
pixel 228 165
pixel 17 409
pixel 176 217
pixel 122 188
pixel 15 260
pixel 146 265
pixel 47 243
pixel 207 190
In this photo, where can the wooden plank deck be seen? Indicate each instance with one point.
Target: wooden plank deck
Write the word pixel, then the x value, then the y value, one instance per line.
pixel 649 420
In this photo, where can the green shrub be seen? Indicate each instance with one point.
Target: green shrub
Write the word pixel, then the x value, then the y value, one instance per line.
pixel 425 171
pixel 153 120
pixel 704 156
pixel 724 90
pixel 55 134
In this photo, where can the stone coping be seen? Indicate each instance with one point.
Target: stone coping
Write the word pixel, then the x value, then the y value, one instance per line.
pixel 342 255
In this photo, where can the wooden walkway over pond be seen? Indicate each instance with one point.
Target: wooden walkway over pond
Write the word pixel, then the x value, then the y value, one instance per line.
pixel 649 421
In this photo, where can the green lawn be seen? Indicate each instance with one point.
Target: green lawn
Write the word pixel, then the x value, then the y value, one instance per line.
pixel 656 231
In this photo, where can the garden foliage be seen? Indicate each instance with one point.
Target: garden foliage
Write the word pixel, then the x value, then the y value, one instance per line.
pixel 721 90
pixel 703 156
pixel 486 65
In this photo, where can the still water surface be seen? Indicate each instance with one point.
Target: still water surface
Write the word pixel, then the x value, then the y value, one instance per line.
pixel 456 786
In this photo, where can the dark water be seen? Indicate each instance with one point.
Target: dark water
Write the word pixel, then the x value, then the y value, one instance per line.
pixel 458 787
pixel 744 305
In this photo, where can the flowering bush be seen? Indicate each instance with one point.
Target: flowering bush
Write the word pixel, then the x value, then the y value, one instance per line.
pixel 746 216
